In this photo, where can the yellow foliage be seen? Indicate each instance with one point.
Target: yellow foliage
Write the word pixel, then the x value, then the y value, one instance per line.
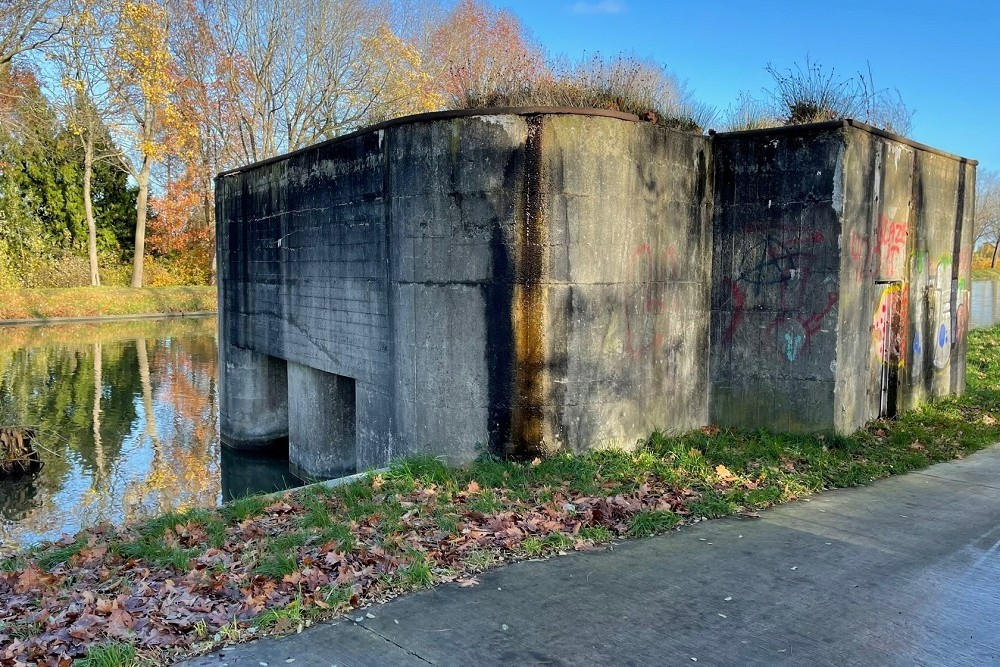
pixel 406 85
pixel 143 70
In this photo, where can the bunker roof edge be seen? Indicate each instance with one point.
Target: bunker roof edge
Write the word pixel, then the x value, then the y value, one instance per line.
pixel 437 115
pixel 581 111
pixel 849 122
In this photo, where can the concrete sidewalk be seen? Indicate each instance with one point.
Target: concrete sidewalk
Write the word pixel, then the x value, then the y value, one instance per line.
pixel 904 572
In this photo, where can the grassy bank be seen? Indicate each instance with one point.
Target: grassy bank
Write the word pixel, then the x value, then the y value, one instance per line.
pixel 268 565
pixel 24 304
pixel 986 274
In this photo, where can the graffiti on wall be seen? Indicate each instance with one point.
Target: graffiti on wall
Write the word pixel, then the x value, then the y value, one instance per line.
pixel 858 245
pixel 962 316
pixel 774 261
pixel 890 324
pixel 652 311
pixel 918 346
pixel 794 335
pixel 942 331
pixel 964 266
pixel 891 247
pixel 776 273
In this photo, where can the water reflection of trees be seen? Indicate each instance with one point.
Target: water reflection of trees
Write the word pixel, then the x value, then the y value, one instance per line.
pixel 127 421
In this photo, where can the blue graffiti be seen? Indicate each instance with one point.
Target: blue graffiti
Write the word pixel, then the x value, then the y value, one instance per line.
pixel 942 336
pixel 917 349
pixel 793 345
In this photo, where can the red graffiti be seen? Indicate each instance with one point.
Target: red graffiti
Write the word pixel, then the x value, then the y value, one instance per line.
pixel 858 245
pixel 794 335
pixel 964 263
pixel 738 301
pixel 646 311
pixel 812 323
pixel 891 246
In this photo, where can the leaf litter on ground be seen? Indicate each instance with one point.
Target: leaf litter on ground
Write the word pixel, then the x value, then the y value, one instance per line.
pixel 187 583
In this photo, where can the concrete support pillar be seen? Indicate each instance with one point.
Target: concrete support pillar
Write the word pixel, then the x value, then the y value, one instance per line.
pixel 253 399
pixel 322 418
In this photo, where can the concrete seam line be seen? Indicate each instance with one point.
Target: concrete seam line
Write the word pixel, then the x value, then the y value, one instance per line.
pixel 924 473
pixel 402 648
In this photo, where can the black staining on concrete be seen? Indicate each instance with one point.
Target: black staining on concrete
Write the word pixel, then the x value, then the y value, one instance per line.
pixel 529 316
pixel 500 356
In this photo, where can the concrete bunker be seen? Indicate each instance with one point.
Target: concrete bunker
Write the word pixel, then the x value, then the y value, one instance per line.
pixel 532 280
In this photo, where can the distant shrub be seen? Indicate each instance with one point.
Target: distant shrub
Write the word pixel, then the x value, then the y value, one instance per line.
pixel 190 268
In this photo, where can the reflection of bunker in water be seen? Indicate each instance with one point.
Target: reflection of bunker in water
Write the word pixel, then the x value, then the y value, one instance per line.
pixel 534 280
pixel 247 473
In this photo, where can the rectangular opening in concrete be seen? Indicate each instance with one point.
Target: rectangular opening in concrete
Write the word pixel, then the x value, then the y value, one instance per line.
pixel 322 423
pixel 889 322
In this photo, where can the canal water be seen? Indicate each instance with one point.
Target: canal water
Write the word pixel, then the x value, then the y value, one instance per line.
pixel 985 303
pixel 126 415
pixel 126 418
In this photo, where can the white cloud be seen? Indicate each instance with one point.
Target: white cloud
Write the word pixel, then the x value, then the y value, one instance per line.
pixel 602 7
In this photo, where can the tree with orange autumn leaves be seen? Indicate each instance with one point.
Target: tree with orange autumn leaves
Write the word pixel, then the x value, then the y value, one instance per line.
pixel 188 88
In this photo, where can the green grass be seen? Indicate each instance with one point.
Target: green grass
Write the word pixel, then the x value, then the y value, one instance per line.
pixel 155 552
pixel 109 654
pixel 417 514
pixel 986 274
pixel 481 559
pixel 340 533
pixel 417 574
pixel 319 514
pixel 596 534
pixel 291 616
pixel 102 301
pixel 649 523
pixel 242 509
pixel 276 564
pixel 53 557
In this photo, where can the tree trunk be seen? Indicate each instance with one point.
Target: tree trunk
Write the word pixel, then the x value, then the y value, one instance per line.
pixel 96 414
pixel 208 205
pixel 140 222
pixel 993 262
pixel 88 208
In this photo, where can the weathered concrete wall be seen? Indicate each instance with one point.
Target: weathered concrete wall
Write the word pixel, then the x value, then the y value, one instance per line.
pixel 776 293
pixel 303 273
pixel 540 281
pixel 841 261
pixel 910 236
pixel 511 282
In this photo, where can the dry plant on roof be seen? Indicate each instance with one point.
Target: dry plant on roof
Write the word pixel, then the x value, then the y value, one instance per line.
pixel 749 113
pixel 810 94
pixel 622 83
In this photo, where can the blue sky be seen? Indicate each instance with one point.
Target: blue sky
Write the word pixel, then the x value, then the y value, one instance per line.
pixel 942 56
